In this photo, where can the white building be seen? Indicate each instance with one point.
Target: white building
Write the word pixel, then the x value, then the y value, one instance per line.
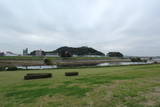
pixel 8 53
pixel 38 52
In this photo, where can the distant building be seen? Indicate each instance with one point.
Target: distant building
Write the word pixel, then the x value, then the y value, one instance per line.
pixel 52 55
pixel 2 54
pixel 8 53
pixel 39 52
pixel 25 52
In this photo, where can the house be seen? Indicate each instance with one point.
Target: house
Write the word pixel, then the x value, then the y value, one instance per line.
pixel 2 54
pixel 38 53
pixel 8 53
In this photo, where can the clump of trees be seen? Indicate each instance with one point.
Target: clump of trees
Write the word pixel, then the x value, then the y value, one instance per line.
pixel 115 54
pixel 33 53
pixel 65 54
pixel 80 51
pixel 12 68
pixel 2 68
pixel 9 68
pixel 136 59
pixel 47 61
pixel 2 54
pixel 155 62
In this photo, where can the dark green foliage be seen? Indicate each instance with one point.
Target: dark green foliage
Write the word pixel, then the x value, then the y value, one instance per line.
pixel 78 51
pixel 12 68
pixel 71 73
pixel 115 54
pixel 33 53
pixel 37 76
pixel 2 54
pixel 2 68
pixel 136 59
pixel 21 58
pixel 155 62
pixel 65 54
pixel 48 61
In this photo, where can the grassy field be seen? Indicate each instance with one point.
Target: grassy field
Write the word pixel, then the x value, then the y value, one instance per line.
pixel 37 60
pixel 21 58
pixel 125 86
pixel 53 58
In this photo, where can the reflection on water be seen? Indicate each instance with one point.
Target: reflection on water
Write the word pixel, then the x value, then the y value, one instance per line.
pixel 102 64
pixel 123 63
pixel 37 67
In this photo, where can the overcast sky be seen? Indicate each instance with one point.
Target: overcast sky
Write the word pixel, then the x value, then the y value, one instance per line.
pixel 129 26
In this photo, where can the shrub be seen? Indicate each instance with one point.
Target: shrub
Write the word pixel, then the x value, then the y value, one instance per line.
pixel 65 54
pixel 71 73
pixel 37 76
pixel 155 62
pixel 48 61
pixel 12 68
pixel 136 59
pixel 114 54
pixel 2 68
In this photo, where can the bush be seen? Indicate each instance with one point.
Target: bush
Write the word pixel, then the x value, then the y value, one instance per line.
pixel 37 76
pixel 155 62
pixel 136 59
pixel 71 73
pixel 12 68
pixel 114 54
pixel 2 68
pixel 65 54
pixel 48 61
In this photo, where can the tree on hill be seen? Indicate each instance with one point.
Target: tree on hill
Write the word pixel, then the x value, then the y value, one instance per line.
pixel 65 54
pixel 115 54
pixel 81 51
pixel 37 52
pixel 136 59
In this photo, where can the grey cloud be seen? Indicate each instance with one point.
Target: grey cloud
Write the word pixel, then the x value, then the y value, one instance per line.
pixel 118 25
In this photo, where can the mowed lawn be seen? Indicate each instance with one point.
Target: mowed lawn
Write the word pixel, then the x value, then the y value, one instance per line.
pixel 124 86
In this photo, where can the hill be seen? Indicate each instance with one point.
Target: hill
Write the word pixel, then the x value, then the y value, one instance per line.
pixel 80 51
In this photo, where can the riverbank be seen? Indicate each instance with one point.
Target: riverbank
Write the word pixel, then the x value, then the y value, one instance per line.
pixel 48 57
pixel 74 61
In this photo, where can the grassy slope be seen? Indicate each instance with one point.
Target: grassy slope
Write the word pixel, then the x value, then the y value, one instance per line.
pixel 126 86
pixel 21 58
pixel 40 58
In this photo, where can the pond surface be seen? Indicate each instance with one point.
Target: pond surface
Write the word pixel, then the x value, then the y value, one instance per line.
pixel 101 64
pixel 123 63
pixel 38 67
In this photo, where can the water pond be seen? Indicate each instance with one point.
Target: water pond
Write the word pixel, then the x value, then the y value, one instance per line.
pixel 101 64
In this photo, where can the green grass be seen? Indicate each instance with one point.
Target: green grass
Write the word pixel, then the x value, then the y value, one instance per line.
pixel 21 58
pixel 42 57
pixel 124 86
